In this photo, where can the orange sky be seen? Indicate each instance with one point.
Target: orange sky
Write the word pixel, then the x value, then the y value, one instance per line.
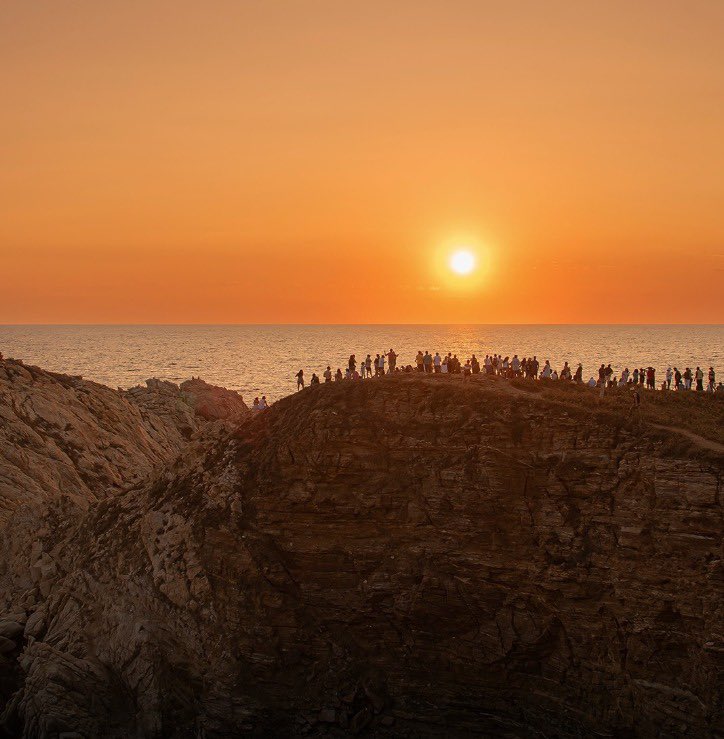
pixel 310 160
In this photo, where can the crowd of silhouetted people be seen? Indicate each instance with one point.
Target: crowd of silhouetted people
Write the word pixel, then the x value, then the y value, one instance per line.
pixel 525 368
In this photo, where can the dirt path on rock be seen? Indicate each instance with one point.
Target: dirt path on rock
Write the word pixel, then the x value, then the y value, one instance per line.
pixel 713 446
pixel 700 441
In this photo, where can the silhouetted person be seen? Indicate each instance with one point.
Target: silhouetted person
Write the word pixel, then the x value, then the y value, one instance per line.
pixel 699 377
pixel 636 403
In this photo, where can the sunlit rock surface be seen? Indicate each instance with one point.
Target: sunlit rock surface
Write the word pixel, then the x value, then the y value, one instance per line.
pixel 393 557
pixel 65 436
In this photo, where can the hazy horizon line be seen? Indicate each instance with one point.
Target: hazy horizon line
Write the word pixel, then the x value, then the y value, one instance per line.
pixel 201 324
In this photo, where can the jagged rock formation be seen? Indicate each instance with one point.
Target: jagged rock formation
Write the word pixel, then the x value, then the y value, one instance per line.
pixel 399 557
pixel 65 436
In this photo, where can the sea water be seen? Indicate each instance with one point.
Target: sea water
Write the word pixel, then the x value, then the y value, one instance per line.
pixel 263 359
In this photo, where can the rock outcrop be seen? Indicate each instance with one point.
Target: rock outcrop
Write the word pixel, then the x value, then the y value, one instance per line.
pixel 402 557
pixel 65 436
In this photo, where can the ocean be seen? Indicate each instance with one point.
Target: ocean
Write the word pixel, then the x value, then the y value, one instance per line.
pixel 263 359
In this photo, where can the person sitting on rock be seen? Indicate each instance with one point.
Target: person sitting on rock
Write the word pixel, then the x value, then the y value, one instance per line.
pixel 592 383
pixel 262 403
pixel 338 375
pixel 314 380
pixel 255 405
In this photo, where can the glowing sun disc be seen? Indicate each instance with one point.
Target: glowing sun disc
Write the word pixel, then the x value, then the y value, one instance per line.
pixel 462 262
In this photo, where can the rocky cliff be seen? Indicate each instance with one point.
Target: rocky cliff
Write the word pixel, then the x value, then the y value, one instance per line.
pixel 407 556
pixel 63 436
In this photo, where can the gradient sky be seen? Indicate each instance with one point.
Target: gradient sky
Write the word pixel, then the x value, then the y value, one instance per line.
pixel 314 161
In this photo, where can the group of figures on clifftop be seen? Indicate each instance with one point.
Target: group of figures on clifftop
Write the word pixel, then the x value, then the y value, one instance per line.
pixel 527 368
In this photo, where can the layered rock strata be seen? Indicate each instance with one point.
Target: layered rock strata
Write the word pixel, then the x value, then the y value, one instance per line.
pixel 398 557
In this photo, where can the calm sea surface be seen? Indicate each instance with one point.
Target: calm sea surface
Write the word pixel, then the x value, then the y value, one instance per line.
pixel 264 359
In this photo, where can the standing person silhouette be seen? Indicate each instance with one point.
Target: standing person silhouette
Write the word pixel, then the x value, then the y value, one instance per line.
pixel 635 404
pixel 699 377
pixel 300 380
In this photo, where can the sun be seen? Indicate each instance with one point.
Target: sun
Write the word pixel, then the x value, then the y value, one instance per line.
pixel 462 262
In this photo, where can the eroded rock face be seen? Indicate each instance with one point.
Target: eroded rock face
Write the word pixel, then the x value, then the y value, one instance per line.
pixel 395 557
pixel 63 436
pixel 66 443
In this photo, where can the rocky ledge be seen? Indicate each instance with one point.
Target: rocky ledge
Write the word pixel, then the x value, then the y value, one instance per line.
pixel 396 557
pixel 63 436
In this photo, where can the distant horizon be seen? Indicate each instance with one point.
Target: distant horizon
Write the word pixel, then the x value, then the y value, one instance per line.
pixel 370 323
